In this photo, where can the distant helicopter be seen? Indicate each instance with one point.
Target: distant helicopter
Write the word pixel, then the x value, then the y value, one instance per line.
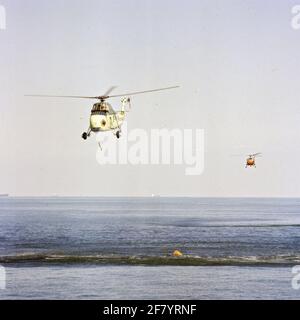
pixel 103 117
pixel 250 162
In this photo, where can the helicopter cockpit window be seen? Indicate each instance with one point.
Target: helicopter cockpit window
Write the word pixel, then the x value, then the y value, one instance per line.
pixel 96 107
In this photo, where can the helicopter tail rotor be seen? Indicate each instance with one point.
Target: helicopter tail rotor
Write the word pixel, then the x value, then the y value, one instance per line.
pixel 126 105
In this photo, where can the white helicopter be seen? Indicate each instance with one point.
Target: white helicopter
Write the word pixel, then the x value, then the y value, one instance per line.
pixel 103 117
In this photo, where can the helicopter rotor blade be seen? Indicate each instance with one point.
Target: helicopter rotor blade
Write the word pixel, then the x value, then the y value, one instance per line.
pixel 254 155
pixel 140 92
pixel 103 97
pixel 109 91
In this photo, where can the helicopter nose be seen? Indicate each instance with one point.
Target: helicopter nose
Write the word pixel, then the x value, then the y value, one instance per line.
pixel 98 121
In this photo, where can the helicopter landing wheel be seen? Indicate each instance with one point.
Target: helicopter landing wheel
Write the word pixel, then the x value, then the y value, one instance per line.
pixel 118 134
pixel 84 136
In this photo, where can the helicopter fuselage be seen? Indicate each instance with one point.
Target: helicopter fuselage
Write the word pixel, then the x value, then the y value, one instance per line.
pixel 104 118
pixel 250 162
pixel 106 121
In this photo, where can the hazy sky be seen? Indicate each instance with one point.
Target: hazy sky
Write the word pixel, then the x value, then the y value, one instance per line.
pixel 237 63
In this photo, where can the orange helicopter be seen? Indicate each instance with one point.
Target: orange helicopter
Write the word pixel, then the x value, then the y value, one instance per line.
pixel 250 162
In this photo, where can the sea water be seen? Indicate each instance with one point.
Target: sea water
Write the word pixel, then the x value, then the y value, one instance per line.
pixel 121 248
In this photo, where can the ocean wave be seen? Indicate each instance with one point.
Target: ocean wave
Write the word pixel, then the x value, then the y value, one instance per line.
pixel 187 260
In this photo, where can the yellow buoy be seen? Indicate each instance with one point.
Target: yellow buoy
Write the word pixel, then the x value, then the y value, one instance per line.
pixel 177 253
